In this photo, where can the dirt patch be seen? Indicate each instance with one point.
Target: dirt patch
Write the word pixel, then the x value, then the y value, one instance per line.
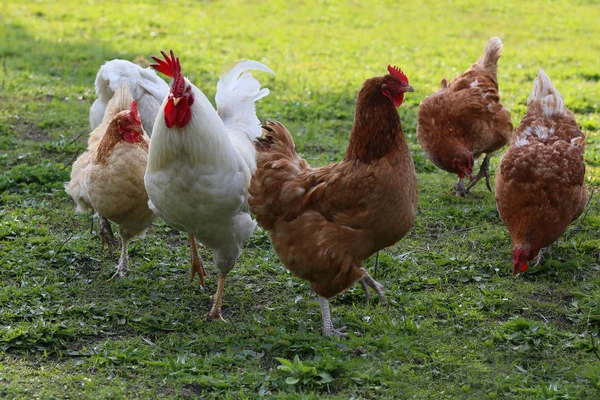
pixel 31 131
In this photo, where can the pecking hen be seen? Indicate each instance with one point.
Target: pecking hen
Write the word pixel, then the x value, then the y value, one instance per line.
pixel 540 186
pixel 465 119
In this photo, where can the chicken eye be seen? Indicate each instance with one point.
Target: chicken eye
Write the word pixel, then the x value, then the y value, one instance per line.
pixel 393 83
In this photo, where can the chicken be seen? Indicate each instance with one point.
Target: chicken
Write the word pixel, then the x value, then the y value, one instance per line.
pixel 540 186
pixel 145 85
pixel 465 119
pixel 109 177
pixel 201 161
pixel 324 222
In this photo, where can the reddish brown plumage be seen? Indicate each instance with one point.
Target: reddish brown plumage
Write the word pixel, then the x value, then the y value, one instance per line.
pixel 325 221
pixel 540 186
pixel 465 117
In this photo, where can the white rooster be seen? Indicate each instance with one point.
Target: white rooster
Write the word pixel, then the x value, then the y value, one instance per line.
pixel 201 161
pixel 146 87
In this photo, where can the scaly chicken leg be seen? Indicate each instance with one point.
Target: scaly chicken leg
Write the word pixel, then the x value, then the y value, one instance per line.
pixel 366 282
pixel 459 189
pixel 197 264
pixel 215 311
pixel 106 234
pixel 328 329
pixel 484 171
pixel 541 257
pixel 122 266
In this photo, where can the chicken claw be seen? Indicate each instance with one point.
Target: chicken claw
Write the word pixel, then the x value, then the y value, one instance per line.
pixel 215 312
pixel 197 264
pixel 367 281
pixel 106 235
pixel 484 171
pixel 540 258
pixel 328 329
pixel 459 189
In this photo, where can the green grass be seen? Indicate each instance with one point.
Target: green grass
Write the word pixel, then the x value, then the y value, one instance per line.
pixel 458 326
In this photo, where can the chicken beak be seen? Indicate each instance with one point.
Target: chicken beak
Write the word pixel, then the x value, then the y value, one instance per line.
pixel 409 88
pixel 176 100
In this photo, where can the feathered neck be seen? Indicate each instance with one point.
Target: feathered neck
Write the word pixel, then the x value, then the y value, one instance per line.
pixel 377 129
pixel 111 138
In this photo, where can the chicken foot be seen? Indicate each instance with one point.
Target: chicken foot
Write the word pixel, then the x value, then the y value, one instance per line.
pixel 366 282
pixel 106 234
pixel 540 258
pixel 459 189
pixel 122 266
pixel 328 329
pixel 484 171
pixel 215 311
pixel 197 264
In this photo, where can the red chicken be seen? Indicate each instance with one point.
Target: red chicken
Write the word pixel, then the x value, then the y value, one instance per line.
pixel 465 119
pixel 325 221
pixel 540 186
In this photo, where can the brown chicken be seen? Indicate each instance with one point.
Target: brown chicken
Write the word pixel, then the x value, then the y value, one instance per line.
pixel 540 185
pixel 465 119
pixel 325 221
pixel 109 177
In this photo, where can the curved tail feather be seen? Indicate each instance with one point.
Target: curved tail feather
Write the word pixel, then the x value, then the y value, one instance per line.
pixel 491 54
pixel 237 91
pixel 547 95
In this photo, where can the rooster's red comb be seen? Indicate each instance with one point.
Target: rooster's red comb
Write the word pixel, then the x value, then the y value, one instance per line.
pixel 397 72
pixel 133 110
pixel 169 66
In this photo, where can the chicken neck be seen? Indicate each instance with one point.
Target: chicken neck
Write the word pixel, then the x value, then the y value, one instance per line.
pixel 377 130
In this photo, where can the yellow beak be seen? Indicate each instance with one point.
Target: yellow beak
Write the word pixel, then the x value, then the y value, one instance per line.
pixel 176 100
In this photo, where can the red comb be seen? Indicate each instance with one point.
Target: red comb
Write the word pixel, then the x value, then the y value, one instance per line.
pixel 169 66
pixel 133 110
pixel 397 72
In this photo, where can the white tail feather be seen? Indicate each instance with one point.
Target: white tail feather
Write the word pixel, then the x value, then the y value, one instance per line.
pixel 236 93
pixel 544 92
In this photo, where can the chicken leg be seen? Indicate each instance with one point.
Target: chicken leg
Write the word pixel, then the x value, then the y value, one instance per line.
pixel 366 282
pixel 197 264
pixel 459 189
pixel 484 171
pixel 106 234
pixel 540 258
pixel 328 329
pixel 122 266
pixel 215 311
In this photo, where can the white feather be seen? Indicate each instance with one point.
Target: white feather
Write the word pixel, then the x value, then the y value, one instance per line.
pixel 146 87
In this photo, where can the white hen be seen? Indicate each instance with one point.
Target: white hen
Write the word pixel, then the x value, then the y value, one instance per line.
pixel 201 161
pixel 146 87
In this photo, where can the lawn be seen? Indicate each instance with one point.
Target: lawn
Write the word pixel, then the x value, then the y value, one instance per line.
pixel 459 324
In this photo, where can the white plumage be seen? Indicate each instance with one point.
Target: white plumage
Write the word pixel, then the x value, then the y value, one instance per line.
pixel 197 176
pixel 146 87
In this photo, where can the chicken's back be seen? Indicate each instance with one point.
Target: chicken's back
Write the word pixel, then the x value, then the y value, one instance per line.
pixel 146 87
pixel 540 189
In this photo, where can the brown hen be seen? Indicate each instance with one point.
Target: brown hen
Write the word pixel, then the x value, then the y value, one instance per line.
pixel 325 221
pixel 465 119
pixel 540 185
